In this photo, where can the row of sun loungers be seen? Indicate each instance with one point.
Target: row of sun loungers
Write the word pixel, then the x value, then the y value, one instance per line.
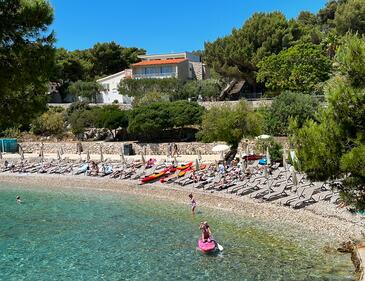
pixel 278 186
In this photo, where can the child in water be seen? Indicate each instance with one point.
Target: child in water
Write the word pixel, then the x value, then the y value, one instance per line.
pixel 193 203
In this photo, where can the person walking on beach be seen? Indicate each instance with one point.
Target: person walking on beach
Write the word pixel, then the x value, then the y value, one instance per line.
pixel 193 203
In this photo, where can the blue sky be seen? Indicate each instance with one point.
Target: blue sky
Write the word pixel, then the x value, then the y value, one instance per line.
pixel 160 26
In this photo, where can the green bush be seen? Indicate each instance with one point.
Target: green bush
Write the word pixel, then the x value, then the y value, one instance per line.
pixel 50 123
pixel 275 148
pixel 289 105
pixel 149 121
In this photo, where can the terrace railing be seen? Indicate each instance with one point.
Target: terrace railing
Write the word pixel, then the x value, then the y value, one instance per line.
pixel 155 75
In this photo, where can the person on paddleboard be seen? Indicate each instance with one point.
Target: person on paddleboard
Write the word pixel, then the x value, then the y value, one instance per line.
pixel 206 232
pixel 193 203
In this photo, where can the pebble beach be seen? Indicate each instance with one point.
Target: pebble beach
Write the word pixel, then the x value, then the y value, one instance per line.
pixel 334 224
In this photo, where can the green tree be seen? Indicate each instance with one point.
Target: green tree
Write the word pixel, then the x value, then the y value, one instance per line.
pixel 350 16
pixel 50 123
pixel 184 113
pixel 275 148
pixel 138 88
pixel 88 90
pixel 26 60
pixel 230 124
pixel 111 118
pixel 301 68
pixel 206 89
pixel 289 105
pixel 334 147
pixel 238 54
pixel 149 122
pixel 110 58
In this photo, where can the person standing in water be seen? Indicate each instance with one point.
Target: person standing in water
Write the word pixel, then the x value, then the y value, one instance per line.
pixel 193 203
pixel 18 200
pixel 206 233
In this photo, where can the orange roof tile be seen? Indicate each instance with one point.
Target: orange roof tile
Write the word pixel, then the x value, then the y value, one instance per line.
pixel 158 62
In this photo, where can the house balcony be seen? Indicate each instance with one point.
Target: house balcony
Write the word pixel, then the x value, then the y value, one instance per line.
pixel 155 75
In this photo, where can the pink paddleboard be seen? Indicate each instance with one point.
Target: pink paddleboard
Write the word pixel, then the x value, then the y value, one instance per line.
pixel 206 247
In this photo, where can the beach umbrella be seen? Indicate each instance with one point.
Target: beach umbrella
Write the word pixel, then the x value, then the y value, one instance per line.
pixel 222 156
pixel 101 154
pixel 268 158
pixel 220 148
pixel 294 178
pixel 266 173
pixel 285 165
pixel 87 155
pixel 122 159
pixel 142 157
pixel 21 152
pixel 41 153
pixel 199 155
pixel 197 166
pixel 263 137
pixel 58 155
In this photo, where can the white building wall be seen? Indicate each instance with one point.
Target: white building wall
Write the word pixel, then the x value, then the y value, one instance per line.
pixel 110 84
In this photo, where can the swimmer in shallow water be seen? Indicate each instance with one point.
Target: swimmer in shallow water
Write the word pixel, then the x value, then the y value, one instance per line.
pixel 193 203
pixel 18 200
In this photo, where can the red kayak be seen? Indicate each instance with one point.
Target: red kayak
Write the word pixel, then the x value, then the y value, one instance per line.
pixel 207 247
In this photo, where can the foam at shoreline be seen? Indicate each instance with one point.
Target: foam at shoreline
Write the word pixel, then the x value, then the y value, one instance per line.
pixel 335 225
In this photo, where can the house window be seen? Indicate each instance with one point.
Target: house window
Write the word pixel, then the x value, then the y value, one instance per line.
pixel 106 87
pixel 166 69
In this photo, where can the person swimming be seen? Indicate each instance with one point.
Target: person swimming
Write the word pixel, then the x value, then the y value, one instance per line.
pixel 206 232
pixel 18 200
pixel 193 203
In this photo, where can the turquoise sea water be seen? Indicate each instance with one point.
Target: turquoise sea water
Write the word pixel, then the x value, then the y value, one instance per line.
pixel 89 235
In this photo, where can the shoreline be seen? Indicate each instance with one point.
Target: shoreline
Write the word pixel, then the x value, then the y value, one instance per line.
pixel 337 225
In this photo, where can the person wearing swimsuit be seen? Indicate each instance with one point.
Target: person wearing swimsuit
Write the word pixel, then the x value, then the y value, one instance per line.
pixel 206 233
pixel 193 203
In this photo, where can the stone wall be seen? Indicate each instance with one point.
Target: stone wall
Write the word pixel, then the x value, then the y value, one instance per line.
pixel 254 103
pixel 184 148
pixel 190 148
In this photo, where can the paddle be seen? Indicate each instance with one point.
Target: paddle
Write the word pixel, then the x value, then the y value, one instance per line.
pixel 220 247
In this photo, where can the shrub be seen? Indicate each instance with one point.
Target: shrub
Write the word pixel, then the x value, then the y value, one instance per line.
pixel 49 123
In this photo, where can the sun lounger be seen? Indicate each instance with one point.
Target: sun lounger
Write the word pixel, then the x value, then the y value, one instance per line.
pixel 299 191
pixel 279 191
pixel 215 181
pixel 250 187
pixel 306 197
